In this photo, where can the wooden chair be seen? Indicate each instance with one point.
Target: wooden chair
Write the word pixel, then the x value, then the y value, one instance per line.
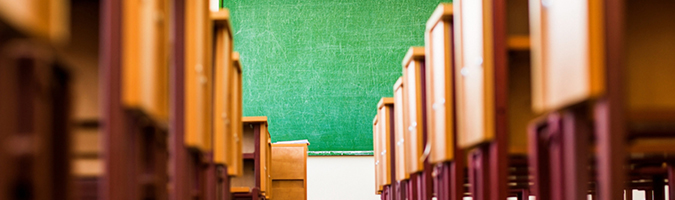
pixel 376 158
pixel 144 84
pixel 492 88
pixel 446 159
pixel 255 181
pixel 198 98
pixel 236 128
pixel 45 20
pixel 34 115
pixel 603 74
pixel 402 148
pixel 224 152
pixel 289 171
pixel 384 138
pixel 415 122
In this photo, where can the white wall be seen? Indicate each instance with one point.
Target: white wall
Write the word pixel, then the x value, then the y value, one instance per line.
pixel 341 178
pixel 353 178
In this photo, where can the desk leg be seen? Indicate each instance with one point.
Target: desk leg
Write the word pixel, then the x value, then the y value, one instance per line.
pixel 449 180
pixel 442 180
pixel 211 177
pixel 425 187
pixel 224 180
pixel 576 149
pixel 524 194
pixel 478 173
pixel 537 135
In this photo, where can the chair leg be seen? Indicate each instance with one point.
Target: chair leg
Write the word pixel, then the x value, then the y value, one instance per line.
pixel 478 173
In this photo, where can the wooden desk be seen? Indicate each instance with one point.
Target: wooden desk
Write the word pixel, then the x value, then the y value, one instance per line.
pixel 402 149
pixel 145 73
pixel 492 85
pixel 447 159
pixel 236 128
pixel 605 74
pixel 35 118
pixel 385 128
pixel 198 76
pixel 222 110
pixel 414 70
pixel 40 19
pixel 440 82
pixel 377 151
pixel 289 171
pixel 413 109
pixel 256 157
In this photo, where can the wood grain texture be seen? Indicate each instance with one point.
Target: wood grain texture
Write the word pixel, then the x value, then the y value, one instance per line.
pixel 236 129
pixel 474 69
pixel 413 72
pixel 440 84
pixel 42 19
pixel 385 109
pixel 567 45
pixel 376 151
pixel 289 171
pixel 402 150
pixel 198 75
pixel 223 88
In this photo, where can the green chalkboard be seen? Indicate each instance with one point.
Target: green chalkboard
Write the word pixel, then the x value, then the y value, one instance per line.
pixel 317 68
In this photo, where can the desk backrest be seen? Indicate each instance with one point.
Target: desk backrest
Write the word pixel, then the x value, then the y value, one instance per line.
pixel 376 158
pixel 223 74
pixel 236 128
pixel 385 129
pixel 42 19
pixel 289 171
pixel 474 69
pixel 402 150
pixel 440 82
pixel 414 108
pixel 145 42
pixel 198 75
pixel 567 53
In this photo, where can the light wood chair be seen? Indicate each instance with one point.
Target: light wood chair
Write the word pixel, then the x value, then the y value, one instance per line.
pixel 446 159
pixel 492 87
pixel 255 182
pixel 289 171
pixel 604 74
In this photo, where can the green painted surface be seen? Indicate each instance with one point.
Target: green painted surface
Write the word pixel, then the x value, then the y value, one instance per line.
pixel 317 68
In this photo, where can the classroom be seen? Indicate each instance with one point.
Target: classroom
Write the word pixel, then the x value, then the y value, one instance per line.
pixel 337 99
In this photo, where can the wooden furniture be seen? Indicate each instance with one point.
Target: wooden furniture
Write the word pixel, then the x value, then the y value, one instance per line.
pixel 145 58
pixel 447 159
pixel 289 171
pixel 45 20
pixel 255 181
pixel 223 110
pixel 414 112
pixel 402 148
pixel 376 158
pixel 34 116
pixel 235 99
pixel 603 74
pixel 198 76
pixel 492 88
pixel 198 99
pixel 384 138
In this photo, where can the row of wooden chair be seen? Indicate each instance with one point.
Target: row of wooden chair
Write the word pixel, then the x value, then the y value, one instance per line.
pixel 127 99
pixel 553 99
